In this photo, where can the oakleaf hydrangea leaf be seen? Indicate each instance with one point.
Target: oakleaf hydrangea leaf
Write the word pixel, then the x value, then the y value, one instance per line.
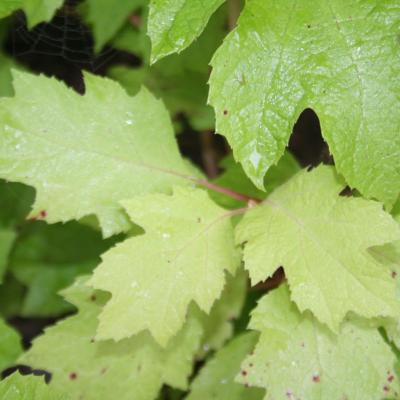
pixel 338 58
pixel 10 346
pixel 215 380
pixel 187 246
pixel 35 10
pixel 133 368
pixel 84 154
pixel 299 358
pixel 321 246
pixel 30 387
pixel 174 24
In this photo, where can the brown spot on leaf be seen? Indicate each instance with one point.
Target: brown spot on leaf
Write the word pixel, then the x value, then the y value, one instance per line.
pixel 390 378
pixel 225 112
pixel 316 378
pixel 394 274
pixel 43 214
pixel 135 20
pixel 243 372
pixel 73 376
pixel 93 297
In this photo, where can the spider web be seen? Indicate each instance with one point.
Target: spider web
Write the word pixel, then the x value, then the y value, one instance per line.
pixel 65 37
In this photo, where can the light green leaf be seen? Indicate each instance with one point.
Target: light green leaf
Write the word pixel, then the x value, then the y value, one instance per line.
pixel 174 24
pixel 47 258
pixel 187 246
pixel 36 10
pixel 84 154
pixel 299 358
pixel 234 178
pixel 130 369
pixel 338 58
pixel 108 16
pixel 30 387
pixel 218 324
pixel 215 380
pixel 10 346
pixel 389 255
pixel 321 240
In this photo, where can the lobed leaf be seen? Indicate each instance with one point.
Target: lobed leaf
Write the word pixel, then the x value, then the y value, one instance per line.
pixel 338 58
pixel 132 368
pixel 299 358
pixel 81 157
pixel 321 240
pixel 187 247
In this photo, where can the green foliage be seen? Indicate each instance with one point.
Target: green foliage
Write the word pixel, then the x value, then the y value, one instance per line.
pixel 331 228
pixel 286 56
pixel 233 177
pixel 135 367
pixel 216 379
pixel 174 24
pixel 10 345
pixel 181 81
pixel 18 387
pixel 298 357
pixel 45 260
pixel 187 229
pixel 103 147
pixel 107 17
pixel 157 269
pixel 36 10
pixel 6 88
pixel 218 324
